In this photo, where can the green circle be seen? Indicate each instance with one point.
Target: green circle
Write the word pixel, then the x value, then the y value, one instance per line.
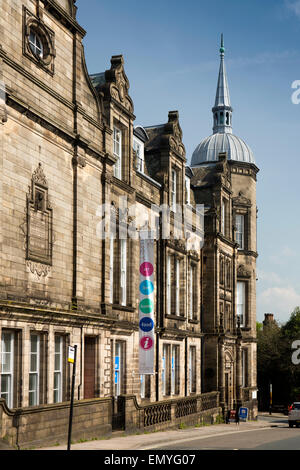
pixel 146 306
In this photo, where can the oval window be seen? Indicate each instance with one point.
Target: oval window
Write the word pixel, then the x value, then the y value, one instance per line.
pixel 36 44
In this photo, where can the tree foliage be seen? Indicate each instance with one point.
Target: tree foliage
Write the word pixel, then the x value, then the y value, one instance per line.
pixel 274 362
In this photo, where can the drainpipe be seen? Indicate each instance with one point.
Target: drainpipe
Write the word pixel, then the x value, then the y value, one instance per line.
pixel 81 367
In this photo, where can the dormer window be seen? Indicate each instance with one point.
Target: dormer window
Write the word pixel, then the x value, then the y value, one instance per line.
pixel 187 190
pixel 139 150
pixel 117 138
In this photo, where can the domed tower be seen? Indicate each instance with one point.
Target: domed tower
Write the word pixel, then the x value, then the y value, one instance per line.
pixel 225 182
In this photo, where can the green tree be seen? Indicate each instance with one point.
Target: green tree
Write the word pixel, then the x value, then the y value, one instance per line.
pixel 274 361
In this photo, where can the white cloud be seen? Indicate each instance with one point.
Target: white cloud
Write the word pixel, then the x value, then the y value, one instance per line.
pixel 294 6
pixel 271 277
pixel 280 256
pixel 278 300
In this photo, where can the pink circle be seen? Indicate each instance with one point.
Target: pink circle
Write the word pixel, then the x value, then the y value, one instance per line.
pixel 146 269
pixel 146 343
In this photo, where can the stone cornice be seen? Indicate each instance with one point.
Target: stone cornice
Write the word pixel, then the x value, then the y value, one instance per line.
pixel 59 13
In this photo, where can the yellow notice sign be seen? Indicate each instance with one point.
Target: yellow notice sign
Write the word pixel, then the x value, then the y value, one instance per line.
pixel 71 354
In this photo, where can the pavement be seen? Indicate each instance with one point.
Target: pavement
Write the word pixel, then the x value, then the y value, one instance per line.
pixel 148 441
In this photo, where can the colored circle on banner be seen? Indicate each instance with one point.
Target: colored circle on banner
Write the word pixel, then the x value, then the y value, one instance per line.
pixel 146 287
pixel 146 306
pixel 146 324
pixel 146 343
pixel 146 269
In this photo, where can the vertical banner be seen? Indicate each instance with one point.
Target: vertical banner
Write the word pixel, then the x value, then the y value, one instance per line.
pixel 146 307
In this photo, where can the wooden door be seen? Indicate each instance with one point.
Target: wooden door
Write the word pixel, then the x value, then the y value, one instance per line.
pixel 89 367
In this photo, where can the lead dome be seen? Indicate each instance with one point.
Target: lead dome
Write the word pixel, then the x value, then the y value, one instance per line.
pixel 222 139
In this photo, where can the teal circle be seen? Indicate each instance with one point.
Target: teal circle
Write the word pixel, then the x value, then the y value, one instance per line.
pixel 146 306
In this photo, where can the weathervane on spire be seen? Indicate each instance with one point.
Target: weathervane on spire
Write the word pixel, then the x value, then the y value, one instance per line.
pixel 222 48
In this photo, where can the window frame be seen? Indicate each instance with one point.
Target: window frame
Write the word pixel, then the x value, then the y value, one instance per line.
pixel 242 315
pixel 140 164
pixel 111 268
pixel 33 44
pixel 240 233
pixel 174 369
pixel 118 164
pixel 123 271
pixel 188 190
pixel 173 189
pixel 11 372
pixel 60 370
pixel 192 369
pixel 177 286
pixel 168 285
pixel 36 372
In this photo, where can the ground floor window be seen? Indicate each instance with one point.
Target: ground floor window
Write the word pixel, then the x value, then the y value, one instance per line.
pixel 34 370
pixel 170 369
pixel 145 385
pixel 119 368
pixel 58 368
pixel 175 370
pixel 192 369
pixel 7 367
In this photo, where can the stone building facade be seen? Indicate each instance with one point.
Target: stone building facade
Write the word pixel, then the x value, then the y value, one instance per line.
pixel 69 147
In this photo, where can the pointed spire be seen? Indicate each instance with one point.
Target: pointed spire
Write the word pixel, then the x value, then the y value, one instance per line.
pixel 222 109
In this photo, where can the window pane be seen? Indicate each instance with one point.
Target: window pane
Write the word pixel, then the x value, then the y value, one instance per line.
pixel 57 344
pixel 33 363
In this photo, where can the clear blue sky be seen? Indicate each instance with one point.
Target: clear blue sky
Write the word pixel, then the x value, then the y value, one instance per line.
pixel 172 60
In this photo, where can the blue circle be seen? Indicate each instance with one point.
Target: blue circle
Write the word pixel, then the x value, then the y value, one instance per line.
pixel 146 324
pixel 146 287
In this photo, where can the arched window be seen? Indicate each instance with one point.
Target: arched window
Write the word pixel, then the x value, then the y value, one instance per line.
pixel 221 117
pixel 216 119
pixel 227 119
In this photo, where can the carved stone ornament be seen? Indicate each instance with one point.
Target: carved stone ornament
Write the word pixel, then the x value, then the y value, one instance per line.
pixel 41 270
pixel 118 82
pixel 39 225
pixel 241 200
pixel 39 177
pixel 242 271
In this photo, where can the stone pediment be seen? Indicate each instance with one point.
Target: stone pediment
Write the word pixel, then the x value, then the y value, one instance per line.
pixel 241 200
pixel 242 271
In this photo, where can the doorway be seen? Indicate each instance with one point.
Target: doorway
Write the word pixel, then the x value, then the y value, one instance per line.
pixel 89 366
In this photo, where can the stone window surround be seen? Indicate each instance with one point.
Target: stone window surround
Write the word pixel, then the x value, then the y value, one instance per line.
pixel 32 23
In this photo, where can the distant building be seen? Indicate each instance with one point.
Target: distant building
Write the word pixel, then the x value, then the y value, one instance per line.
pixel 269 320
